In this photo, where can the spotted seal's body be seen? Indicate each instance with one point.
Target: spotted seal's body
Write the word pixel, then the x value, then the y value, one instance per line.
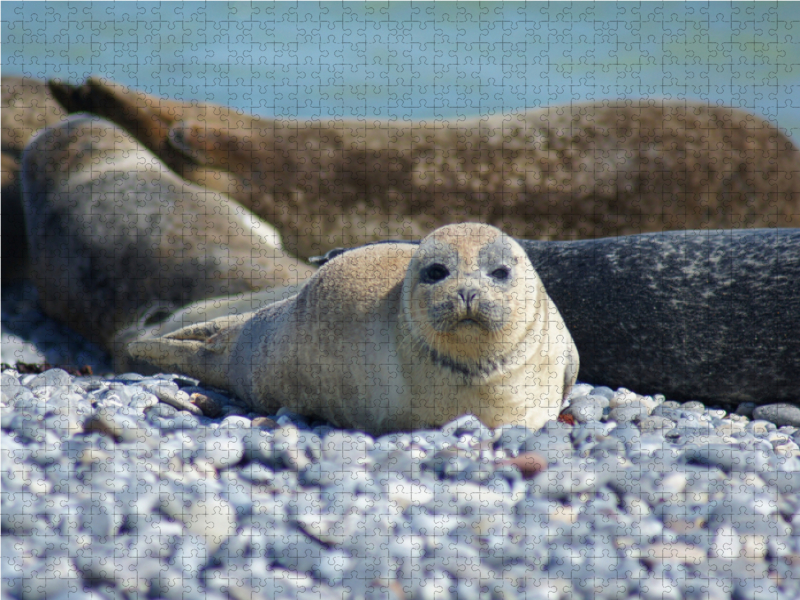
pixel 395 337
pixel 695 315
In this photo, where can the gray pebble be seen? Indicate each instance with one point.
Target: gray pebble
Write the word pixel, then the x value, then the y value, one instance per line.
pixel 694 406
pixel 174 397
pixel 626 414
pixel 779 414
pixel 603 391
pixel 222 447
pixel 118 426
pixel 466 424
pixel 512 438
pixel 176 505
pixel 53 378
pixel 586 409
pixel 655 423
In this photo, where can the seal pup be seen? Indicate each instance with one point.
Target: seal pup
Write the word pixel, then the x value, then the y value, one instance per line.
pixel 395 337
pixel 705 315
pixel 114 233
pixel 587 170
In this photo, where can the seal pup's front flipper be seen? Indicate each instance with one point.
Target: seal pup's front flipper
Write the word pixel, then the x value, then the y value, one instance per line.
pixel 201 350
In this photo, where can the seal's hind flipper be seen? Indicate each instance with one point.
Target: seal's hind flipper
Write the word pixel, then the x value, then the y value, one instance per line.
pixel 201 350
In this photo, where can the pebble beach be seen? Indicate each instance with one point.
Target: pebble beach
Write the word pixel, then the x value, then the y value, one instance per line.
pixel 119 485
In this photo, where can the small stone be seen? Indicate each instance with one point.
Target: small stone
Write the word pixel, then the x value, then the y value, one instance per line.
pixel 210 517
pixel 754 546
pixel 465 424
pixel 726 543
pixel 625 397
pixel 604 391
pixel 675 552
pixel 51 378
pixel 529 463
pixel 760 428
pixel 670 404
pixel 558 484
pixel 779 414
pixel 728 458
pixel 129 378
pixel 209 407
pixel 694 406
pixel 511 438
pixel 119 427
pixel 222 448
pixel 730 428
pixel 655 423
pixel 408 493
pixel 287 451
pixel 586 409
pixel 236 422
pixel 143 401
pixel 264 423
pixel 176 398
pixel 579 390
pixel 628 414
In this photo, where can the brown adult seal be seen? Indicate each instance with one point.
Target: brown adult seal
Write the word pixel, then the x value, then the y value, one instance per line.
pixel 581 171
pixel 114 233
pixel 26 106
pixel 395 337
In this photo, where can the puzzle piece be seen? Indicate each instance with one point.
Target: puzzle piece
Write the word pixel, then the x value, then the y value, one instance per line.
pixel 230 138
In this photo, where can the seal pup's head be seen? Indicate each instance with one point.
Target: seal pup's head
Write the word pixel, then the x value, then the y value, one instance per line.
pixel 467 297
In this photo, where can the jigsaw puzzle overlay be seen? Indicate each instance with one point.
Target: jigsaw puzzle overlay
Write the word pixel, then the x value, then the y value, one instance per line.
pixel 587 392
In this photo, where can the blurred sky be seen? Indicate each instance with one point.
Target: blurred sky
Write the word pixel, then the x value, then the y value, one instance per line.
pixel 419 60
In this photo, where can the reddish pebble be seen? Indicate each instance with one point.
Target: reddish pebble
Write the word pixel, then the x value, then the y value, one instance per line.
pixel 528 463
pixel 566 419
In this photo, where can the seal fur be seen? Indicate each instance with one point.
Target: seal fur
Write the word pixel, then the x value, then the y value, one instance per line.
pixel 590 170
pixel 113 233
pixel 395 337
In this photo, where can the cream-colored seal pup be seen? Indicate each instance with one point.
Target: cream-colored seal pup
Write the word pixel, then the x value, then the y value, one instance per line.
pixel 395 337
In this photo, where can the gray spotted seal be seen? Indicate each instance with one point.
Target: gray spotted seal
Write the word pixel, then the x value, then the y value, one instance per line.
pixel 695 315
pixel 581 171
pixel 395 337
pixel 113 233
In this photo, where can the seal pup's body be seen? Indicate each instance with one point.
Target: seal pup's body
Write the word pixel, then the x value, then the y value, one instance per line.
pixel 395 337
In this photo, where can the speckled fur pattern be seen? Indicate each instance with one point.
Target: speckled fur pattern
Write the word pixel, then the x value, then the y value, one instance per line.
pixel 370 343
pixel 559 173
pixel 695 315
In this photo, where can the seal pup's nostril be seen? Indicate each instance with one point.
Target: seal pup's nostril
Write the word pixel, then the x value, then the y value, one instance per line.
pixel 468 296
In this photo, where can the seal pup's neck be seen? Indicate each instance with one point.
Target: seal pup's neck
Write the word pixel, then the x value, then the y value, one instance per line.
pixel 415 350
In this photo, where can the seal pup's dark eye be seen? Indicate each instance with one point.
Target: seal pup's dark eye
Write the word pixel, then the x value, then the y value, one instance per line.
pixel 501 274
pixel 436 272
